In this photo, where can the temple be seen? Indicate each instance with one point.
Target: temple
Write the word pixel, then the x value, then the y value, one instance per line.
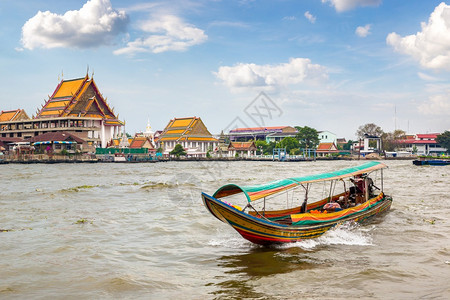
pixel 77 107
pixel 191 133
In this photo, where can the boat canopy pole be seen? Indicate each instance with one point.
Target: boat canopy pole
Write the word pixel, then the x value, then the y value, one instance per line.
pixel 264 207
pixel 331 191
pixel 305 202
pixel 382 181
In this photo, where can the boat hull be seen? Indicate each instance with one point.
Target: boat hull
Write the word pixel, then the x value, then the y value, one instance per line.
pixel 435 162
pixel 265 232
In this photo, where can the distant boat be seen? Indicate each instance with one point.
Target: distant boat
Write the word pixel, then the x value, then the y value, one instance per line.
pixel 359 200
pixel 432 162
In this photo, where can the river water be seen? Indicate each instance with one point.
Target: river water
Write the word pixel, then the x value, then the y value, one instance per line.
pixel 140 231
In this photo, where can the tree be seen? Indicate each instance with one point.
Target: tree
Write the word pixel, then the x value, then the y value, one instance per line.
pixel 289 143
pixel 390 140
pixel 443 139
pixel 348 146
pixel 267 148
pixel 370 129
pixel 261 146
pixel 178 151
pixel 308 137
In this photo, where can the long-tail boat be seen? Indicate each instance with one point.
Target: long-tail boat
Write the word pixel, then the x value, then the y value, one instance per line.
pixel 351 194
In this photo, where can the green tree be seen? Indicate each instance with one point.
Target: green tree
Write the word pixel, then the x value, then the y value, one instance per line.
pixel 262 146
pixel 267 148
pixel 178 151
pixel 443 139
pixel 348 146
pixel 308 137
pixel 289 143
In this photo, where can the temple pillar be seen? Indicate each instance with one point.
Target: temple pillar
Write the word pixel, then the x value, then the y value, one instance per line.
pixel 102 137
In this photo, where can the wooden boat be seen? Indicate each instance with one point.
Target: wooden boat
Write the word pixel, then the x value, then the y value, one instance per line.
pixel 359 200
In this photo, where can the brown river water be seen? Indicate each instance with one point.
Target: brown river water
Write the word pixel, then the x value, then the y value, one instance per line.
pixel 140 231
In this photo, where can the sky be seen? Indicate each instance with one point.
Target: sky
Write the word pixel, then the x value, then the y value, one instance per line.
pixel 332 65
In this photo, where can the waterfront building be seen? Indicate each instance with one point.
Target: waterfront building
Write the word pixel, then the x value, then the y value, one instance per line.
pixel 191 133
pixel 76 106
pixel 327 137
pixel 140 142
pixel 363 147
pixel 421 144
pixel 325 149
pixel 258 133
pixel 279 136
pixel 341 142
pixel 222 147
pixel 242 149
pixel 7 143
pixel 54 142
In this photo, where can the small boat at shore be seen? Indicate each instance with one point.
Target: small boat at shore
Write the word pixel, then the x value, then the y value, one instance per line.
pixel 432 162
pixel 349 194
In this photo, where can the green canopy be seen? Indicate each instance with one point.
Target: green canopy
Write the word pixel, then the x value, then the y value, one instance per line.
pixel 255 192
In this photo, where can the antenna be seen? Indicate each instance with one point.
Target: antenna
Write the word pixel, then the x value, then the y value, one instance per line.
pixel 395 117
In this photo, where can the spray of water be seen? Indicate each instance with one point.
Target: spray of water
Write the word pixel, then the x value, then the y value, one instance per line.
pixel 345 234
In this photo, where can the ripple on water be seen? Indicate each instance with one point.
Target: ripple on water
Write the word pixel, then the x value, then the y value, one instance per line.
pixel 149 236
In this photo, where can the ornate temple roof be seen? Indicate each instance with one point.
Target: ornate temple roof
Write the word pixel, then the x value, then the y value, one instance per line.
pixel 242 146
pixel 186 129
pixel 326 147
pixel 13 115
pixel 78 97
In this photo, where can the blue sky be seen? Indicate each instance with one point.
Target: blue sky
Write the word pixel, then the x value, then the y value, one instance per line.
pixel 329 64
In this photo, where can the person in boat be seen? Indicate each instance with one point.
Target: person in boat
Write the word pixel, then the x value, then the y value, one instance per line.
pixel 359 189
pixel 332 206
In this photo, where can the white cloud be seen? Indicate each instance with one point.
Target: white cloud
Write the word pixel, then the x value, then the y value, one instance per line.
pixel 271 76
pixel 431 46
pixel 344 5
pixel 166 33
pixel 427 77
pixel 95 24
pixel 310 17
pixel 289 18
pixel 363 31
pixel 437 105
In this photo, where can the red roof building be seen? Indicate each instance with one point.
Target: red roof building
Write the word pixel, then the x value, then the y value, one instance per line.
pixel 421 144
pixel 325 149
pixel 142 142
pixel 242 149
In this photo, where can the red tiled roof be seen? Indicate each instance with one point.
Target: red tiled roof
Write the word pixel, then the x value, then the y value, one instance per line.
pixel 258 128
pixel 242 146
pixel 139 142
pixel 427 136
pixel 408 141
pixel 329 147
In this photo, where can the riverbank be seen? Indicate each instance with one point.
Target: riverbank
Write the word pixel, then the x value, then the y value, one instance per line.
pixel 94 159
